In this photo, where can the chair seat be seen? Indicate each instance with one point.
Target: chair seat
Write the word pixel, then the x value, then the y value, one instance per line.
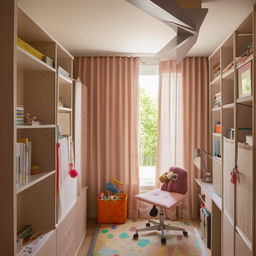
pixel 161 198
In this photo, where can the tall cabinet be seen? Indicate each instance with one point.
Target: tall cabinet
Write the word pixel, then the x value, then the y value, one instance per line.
pixel 232 135
pixel 37 84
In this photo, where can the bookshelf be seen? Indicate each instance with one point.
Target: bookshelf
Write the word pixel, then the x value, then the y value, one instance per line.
pixel 234 229
pixel 37 102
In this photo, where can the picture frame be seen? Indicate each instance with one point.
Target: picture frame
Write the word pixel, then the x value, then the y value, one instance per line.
pixel 245 80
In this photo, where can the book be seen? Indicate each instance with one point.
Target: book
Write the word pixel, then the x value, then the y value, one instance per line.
pixel 23 159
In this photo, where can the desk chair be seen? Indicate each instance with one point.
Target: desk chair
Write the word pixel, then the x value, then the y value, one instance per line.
pixel 171 193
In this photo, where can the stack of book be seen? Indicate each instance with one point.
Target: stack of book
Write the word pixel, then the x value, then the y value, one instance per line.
pixel 23 161
pixel 20 115
pixel 217 100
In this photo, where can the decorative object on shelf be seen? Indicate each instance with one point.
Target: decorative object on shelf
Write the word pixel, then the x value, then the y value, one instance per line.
pixel 245 56
pixel 48 61
pixel 244 80
pixel 231 133
pixel 35 169
pixel 199 156
pixel 218 127
pixel 31 119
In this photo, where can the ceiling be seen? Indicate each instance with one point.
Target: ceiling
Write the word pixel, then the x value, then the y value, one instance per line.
pixel 115 27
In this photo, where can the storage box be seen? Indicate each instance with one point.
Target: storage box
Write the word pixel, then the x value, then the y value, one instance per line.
pixel 112 211
pixel 64 122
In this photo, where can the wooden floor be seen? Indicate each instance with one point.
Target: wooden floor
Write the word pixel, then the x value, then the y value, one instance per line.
pixel 91 226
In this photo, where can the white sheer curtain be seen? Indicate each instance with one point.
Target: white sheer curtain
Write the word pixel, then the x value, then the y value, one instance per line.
pixel 170 150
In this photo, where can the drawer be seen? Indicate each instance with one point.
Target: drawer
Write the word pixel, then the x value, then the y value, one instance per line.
pixel 49 247
pixel 66 234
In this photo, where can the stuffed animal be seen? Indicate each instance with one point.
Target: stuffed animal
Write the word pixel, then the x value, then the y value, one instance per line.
pixel 110 187
pixel 163 178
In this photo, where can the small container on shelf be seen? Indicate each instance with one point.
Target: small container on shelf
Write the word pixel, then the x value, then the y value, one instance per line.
pixel 218 127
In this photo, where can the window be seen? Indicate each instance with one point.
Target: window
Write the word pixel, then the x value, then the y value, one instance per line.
pixel 148 115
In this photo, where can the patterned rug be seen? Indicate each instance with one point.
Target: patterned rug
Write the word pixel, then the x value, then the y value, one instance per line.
pixel 117 240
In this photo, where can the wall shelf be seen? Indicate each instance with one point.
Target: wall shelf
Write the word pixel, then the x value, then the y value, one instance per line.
pixel 28 62
pixel 34 179
pixel 64 79
pixel 64 109
pixel 216 134
pixel 245 100
pixel 229 75
pixel 42 126
pixel 230 105
pixel 215 81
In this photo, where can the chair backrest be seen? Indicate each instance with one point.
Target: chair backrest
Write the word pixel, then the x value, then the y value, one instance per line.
pixel 178 186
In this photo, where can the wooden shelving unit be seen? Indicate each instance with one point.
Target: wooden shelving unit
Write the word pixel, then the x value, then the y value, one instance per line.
pixel 37 80
pixel 234 212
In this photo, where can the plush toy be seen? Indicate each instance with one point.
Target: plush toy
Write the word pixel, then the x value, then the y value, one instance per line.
pixel 72 171
pixel 163 178
pixel 110 187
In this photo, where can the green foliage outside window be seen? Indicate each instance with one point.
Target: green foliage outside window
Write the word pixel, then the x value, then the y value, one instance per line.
pixel 148 129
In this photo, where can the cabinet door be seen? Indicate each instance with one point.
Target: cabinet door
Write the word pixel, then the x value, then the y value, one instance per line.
pixel 49 247
pixel 244 190
pixel 228 187
pixel 227 236
pixel 241 248
pixel 66 235
pixel 80 218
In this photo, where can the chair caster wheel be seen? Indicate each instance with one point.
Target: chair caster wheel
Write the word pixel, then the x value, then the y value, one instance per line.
pixel 185 233
pixel 135 236
pixel 147 224
pixel 163 241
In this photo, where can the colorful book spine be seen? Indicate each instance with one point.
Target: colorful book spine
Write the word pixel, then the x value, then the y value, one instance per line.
pixel 20 115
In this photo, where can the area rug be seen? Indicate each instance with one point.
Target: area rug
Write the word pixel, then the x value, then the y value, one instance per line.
pixel 117 240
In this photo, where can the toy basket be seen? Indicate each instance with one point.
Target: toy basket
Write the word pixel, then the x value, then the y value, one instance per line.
pixel 112 211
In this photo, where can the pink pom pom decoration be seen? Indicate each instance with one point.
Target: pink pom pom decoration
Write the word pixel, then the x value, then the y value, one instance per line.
pixel 72 172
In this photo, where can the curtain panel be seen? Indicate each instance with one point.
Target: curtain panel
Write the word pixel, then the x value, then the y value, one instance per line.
pixel 112 125
pixel 183 122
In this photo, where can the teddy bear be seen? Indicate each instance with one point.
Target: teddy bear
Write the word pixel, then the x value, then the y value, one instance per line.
pixel 165 177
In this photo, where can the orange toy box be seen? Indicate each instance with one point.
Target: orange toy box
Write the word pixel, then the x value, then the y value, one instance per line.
pixel 112 211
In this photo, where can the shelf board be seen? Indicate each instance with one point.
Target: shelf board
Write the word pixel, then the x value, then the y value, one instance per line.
pixel 216 109
pixel 208 187
pixel 230 105
pixel 28 62
pixel 245 100
pixel 35 245
pixel 64 109
pixel 42 126
pixel 64 80
pixel 215 80
pixel 229 75
pixel 34 179
pixel 216 134
pixel 217 159
pixel 246 61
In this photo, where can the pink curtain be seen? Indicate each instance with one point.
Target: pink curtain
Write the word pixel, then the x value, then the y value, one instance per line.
pixel 112 125
pixel 183 121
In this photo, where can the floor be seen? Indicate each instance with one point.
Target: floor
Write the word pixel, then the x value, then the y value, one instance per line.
pixel 91 226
